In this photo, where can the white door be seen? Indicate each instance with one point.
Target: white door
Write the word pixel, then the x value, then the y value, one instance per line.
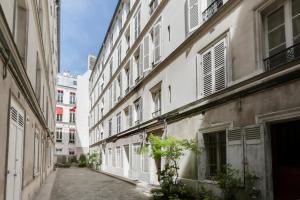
pixel 15 153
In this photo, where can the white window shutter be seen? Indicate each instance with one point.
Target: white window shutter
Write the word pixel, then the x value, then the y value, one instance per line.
pixel 157 42
pixel 141 59
pixel 220 65
pixel 131 72
pixel 207 73
pixel 146 53
pixel 193 14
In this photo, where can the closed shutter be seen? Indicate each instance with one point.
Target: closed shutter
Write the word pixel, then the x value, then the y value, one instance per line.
pixel 213 69
pixel 220 65
pixel 157 42
pixel 146 53
pixel 115 91
pixel 193 14
pixel 130 115
pixel 131 72
pixel 235 150
pixel 207 73
pixel 141 59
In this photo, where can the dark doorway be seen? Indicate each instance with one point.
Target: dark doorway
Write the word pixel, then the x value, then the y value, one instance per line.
pixel 285 139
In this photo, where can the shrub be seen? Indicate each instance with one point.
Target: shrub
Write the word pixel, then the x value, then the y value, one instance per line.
pixel 172 150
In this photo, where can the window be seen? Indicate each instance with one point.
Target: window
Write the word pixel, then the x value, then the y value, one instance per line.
pixel 213 69
pixel 110 97
pixel 109 127
pixel 58 150
pixel 59 117
pixel 127 74
pixel 146 53
pixel 38 79
pixel 36 164
pixel 101 135
pixel 136 158
pixel 128 115
pixel 127 36
pixel 71 136
pixel 137 24
pixel 72 98
pixel 193 7
pixel 109 158
pixel 139 62
pixel 60 96
pixel 119 80
pixel 153 5
pixel 282 31
pixel 156 38
pixel 215 148
pixel 156 103
pixel 138 111
pixel 59 135
pixel 119 122
pixel 120 54
pixel 74 82
pixel 71 152
pixel 111 68
pixel 119 163
pixel 145 162
pixel 72 116
pixel 21 31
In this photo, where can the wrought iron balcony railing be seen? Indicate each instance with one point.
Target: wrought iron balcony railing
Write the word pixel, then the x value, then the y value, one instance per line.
pixel 156 113
pixel 212 9
pixel 283 57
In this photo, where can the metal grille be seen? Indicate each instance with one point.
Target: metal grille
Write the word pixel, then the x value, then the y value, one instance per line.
pixel 212 9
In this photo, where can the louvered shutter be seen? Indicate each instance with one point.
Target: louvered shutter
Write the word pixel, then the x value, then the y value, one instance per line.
pixel 141 61
pixel 146 53
pixel 235 154
pixel 115 91
pixel 220 66
pixel 157 41
pixel 206 75
pixel 193 14
pixel 131 72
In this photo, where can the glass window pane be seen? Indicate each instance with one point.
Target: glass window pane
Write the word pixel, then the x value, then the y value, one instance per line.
pixel 275 19
pixel 296 27
pixel 295 7
pixel 276 38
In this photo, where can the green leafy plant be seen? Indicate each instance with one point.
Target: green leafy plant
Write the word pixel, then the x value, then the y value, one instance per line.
pixel 82 160
pixel 229 181
pixel 205 194
pixel 95 160
pixel 171 149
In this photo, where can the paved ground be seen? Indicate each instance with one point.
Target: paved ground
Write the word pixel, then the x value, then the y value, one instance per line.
pixel 84 184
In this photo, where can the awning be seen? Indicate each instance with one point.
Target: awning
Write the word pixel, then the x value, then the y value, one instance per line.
pixel 59 110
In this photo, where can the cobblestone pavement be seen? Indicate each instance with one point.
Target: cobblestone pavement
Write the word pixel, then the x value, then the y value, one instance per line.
pixel 84 184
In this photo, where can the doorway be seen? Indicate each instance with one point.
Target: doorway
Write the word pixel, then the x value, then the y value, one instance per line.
pixel 15 152
pixel 126 160
pixel 285 140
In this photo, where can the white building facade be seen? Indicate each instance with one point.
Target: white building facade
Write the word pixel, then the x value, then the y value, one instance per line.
pixel 29 62
pixel 215 71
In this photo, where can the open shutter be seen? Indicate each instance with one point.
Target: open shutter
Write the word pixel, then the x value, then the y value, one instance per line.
pixel 141 59
pixel 146 53
pixel 115 91
pixel 220 65
pixel 193 14
pixel 207 73
pixel 235 150
pixel 157 42
pixel 131 72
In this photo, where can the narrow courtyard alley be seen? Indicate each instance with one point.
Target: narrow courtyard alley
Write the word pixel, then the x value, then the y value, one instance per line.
pixel 85 184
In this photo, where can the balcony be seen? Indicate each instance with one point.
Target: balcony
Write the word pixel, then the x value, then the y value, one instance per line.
pixel 283 57
pixel 72 141
pixel 212 9
pixel 156 113
pixel 137 122
pixel 59 140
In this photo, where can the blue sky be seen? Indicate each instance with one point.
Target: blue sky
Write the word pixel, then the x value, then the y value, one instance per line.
pixel 83 27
